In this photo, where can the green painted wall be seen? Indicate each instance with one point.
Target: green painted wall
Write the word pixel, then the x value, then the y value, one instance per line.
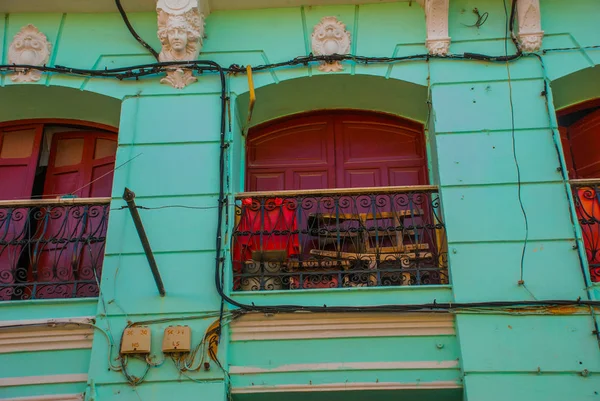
pixel 170 140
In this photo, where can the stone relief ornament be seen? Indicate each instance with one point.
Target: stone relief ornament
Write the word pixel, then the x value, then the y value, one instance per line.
pixel 181 32
pixel 436 21
pixel 330 37
pixel 530 25
pixel 31 47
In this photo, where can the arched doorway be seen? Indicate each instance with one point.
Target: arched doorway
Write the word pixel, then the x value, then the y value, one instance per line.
pixel 579 128
pixel 337 199
pixel 335 149
pixel 55 183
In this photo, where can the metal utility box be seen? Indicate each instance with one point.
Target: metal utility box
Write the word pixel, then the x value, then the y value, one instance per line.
pixel 177 339
pixel 136 340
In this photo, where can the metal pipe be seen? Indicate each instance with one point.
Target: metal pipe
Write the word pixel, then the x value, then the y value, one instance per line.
pixel 129 197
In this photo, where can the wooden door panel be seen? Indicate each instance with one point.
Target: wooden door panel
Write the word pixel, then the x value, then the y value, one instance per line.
pixel 407 176
pixel 375 142
pixel 311 179
pixel 353 149
pixel 19 154
pixel 584 137
pixel 266 181
pixel 286 146
pixel 102 180
pixel 80 163
pixel 362 178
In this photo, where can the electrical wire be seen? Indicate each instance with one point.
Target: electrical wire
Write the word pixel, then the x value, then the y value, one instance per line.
pixel 132 30
pixel 481 19
pixel 509 29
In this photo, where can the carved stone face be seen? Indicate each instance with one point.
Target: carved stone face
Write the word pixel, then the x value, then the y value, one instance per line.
pixel 178 37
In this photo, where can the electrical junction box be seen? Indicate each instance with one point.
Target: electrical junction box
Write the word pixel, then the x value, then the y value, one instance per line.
pixel 136 340
pixel 177 339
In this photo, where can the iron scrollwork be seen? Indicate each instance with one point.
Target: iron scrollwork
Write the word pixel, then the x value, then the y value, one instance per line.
pixel 586 195
pixel 51 249
pixel 369 238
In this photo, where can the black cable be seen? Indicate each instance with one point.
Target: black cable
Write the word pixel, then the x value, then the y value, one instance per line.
pixel 510 27
pixel 132 31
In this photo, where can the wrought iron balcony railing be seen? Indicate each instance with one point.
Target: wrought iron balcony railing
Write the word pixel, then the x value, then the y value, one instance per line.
pixel 52 248
pixel 586 194
pixel 363 237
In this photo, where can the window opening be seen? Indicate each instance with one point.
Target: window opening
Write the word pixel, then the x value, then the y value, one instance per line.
pixel 355 210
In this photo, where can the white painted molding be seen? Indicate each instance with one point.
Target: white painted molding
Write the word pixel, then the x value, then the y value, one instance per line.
pixel 436 21
pixel 45 339
pixel 45 335
pixel 530 25
pixel 54 397
pixel 47 322
pixel 330 37
pixel 258 326
pixel 31 47
pixel 36 380
pixel 345 366
pixel 346 387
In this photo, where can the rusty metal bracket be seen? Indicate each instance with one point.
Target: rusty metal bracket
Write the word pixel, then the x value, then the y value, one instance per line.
pixel 129 197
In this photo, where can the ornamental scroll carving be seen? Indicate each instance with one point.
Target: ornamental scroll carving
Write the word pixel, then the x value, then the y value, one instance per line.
pixel 181 33
pixel 30 47
pixel 330 37
pixel 530 25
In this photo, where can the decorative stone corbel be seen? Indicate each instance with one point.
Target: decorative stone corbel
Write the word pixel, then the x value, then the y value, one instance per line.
pixel 181 33
pixel 30 47
pixel 530 25
pixel 436 21
pixel 330 37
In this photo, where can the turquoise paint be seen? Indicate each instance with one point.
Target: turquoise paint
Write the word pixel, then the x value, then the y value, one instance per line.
pixel 169 141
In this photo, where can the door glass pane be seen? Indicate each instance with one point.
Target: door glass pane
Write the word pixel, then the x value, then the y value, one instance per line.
pixel 17 144
pixel 69 152
pixel 105 148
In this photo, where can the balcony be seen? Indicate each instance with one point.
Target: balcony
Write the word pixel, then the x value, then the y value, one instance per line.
pixel 586 194
pixel 363 237
pixel 52 248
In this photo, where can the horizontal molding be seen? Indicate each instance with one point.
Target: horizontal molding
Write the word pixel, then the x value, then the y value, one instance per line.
pixel 54 397
pixel 45 335
pixel 345 366
pixel 295 388
pixel 37 380
pixel 287 326
pixel 48 322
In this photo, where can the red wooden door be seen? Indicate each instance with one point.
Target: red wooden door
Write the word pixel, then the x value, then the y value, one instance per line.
pixel 80 164
pixel 335 150
pixel 19 153
pixel 582 152
pixel 378 151
pixel 327 150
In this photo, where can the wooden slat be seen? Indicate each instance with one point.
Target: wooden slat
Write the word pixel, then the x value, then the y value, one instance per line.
pixel 53 202
pixel 366 216
pixel 340 191
pixel 365 256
